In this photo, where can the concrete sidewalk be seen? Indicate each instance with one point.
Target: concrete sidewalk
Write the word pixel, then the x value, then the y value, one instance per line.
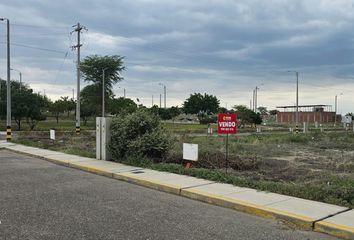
pixel 311 215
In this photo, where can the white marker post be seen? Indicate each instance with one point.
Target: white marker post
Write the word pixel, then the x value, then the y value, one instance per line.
pixel 52 134
pixel 190 154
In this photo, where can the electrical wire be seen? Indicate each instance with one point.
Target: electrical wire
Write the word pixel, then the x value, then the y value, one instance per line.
pixel 34 47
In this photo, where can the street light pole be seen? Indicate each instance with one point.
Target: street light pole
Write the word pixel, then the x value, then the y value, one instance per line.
pixel 164 92
pixel 255 99
pixel 20 73
pixel 255 93
pixel 335 109
pixel 297 101
pixel 103 92
pixel 8 89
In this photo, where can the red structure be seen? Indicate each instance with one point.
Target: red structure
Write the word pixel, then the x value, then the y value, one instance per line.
pixel 307 113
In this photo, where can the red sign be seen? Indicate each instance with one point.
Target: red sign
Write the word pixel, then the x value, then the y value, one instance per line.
pixel 227 123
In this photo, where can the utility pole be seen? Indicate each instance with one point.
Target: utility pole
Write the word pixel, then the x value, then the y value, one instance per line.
pixel 124 93
pixel 78 29
pixel 160 100
pixel 8 88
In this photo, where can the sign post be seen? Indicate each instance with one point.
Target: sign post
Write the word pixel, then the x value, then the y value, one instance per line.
pixel 227 124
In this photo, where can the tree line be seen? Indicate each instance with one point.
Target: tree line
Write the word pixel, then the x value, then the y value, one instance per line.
pixel 30 107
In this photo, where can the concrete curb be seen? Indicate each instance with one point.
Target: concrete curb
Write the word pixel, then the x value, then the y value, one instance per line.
pixel 335 230
pixel 266 211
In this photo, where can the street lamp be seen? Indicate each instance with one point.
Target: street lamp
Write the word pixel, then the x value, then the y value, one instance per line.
pixel 255 97
pixel 297 100
pixel 8 89
pixel 103 76
pixel 164 92
pixel 20 73
pixel 335 109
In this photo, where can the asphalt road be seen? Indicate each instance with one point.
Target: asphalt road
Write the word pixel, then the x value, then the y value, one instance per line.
pixel 41 200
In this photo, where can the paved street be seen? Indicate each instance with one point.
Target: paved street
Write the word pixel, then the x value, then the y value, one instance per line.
pixel 41 200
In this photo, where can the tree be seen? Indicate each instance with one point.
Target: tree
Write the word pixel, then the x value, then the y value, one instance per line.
pixel 88 106
pixel 25 105
pixel 37 104
pixel 263 110
pixel 350 114
pixel 68 105
pixel 246 115
pixel 57 107
pixel 122 106
pixel 197 103
pixel 174 112
pixel 273 112
pixel 2 99
pixel 92 69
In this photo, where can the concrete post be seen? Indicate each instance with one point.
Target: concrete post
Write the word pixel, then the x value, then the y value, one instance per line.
pixel 103 138
pixel 305 129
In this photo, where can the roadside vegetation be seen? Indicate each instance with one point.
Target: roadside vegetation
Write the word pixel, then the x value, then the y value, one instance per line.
pixel 317 165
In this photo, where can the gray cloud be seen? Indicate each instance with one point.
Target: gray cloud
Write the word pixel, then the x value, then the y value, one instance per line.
pixel 221 47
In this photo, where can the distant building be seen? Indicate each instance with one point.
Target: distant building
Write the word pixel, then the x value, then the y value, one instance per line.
pixel 307 113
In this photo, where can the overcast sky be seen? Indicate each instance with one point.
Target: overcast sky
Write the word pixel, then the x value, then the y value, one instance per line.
pixel 220 47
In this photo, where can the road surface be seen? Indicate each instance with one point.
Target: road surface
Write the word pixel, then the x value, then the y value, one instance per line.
pixel 41 200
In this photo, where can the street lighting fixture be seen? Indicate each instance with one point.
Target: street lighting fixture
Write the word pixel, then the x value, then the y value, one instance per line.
pixel 164 92
pixel 297 100
pixel 8 89
pixel 255 95
pixel 103 92
pixel 20 73
pixel 335 108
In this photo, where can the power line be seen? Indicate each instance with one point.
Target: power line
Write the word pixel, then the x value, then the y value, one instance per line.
pixel 36 26
pixel 34 47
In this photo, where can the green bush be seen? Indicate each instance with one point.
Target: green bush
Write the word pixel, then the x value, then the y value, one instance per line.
pixel 139 134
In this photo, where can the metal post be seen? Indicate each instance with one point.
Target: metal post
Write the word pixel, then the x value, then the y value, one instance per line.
pixel 164 88
pixel 160 100
pixel 335 110
pixel 255 100
pixel 8 88
pixel 9 133
pixel 20 80
pixel 103 107
pixel 297 100
pixel 227 152
pixel 20 74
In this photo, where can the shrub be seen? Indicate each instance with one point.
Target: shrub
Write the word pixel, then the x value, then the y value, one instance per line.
pixel 139 134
